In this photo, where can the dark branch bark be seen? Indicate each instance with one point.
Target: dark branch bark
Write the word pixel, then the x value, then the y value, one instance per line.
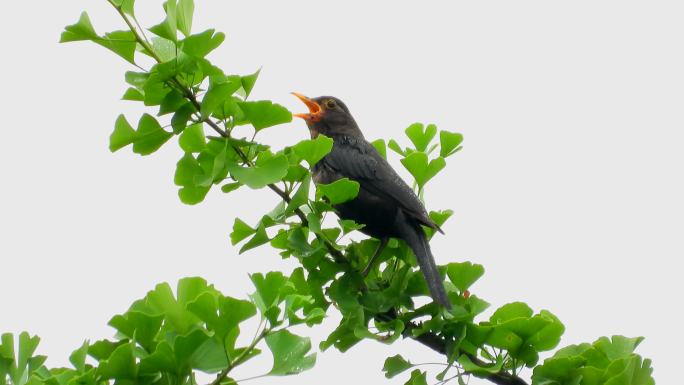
pixel 437 344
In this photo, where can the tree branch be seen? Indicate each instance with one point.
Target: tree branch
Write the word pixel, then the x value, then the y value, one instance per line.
pixel 438 344
pixel 187 93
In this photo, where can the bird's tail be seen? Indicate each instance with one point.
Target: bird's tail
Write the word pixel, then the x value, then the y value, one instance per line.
pixel 417 241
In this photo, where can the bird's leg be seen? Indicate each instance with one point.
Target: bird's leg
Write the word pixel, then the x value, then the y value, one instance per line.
pixel 378 251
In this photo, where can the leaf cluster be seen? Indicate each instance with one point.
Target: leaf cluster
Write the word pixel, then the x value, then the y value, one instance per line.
pixel 167 337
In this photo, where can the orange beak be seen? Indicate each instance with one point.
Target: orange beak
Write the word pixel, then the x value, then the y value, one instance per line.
pixel 315 110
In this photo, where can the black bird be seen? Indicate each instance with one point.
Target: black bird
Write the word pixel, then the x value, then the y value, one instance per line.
pixel 385 205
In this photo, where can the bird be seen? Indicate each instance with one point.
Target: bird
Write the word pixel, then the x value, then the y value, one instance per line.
pixel 385 205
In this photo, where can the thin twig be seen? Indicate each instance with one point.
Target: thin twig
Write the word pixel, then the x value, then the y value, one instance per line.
pixel 240 359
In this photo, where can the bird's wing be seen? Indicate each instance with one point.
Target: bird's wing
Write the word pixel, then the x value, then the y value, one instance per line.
pixel 360 161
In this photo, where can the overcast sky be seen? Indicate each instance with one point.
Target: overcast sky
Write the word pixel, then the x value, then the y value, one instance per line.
pixel 569 188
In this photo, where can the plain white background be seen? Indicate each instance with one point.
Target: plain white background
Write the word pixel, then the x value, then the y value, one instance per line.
pixel 568 190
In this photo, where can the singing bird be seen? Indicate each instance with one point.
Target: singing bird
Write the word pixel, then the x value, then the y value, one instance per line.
pixel 385 205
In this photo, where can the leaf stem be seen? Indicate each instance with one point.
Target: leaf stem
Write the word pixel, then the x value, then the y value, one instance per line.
pixel 139 38
pixel 240 358
pixel 252 378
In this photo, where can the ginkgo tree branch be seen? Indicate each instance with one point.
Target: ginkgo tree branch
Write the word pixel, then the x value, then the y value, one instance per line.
pixel 187 93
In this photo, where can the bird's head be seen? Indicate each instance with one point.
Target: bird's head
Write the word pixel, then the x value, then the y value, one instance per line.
pixel 329 116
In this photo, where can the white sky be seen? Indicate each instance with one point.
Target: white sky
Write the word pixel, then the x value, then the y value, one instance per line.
pixel 568 190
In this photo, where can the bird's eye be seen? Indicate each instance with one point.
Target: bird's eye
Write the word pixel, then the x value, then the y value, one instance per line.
pixel 330 104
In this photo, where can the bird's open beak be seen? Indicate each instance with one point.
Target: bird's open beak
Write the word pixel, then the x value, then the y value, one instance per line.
pixel 315 110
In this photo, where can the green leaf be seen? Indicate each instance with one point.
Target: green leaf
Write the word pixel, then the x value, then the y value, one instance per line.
pixel 229 187
pixel 606 361
pixel 523 335
pixel 192 138
pixel 394 146
pixel 504 338
pixel 449 143
pixel 420 136
pixel 214 161
pixel 418 377
pixel 164 48
pixel 296 173
pixel 289 353
pixel 562 371
pixel 127 6
pixel 140 326
pixel 314 222
pixel 617 347
pixel 122 136
pixel 632 371
pixel 381 147
pixel 181 65
pixel 314 317
pixel 122 43
pixel 20 366
pixel 133 94
pixel 264 113
pixel 184 16
pixel 199 351
pixel 241 230
pixel 81 30
pixel 181 117
pixel 417 165
pixel 120 365
pixel 464 274
pixel 201 44
pixel 263 173
pixel 259 238
pixel 268 289
pixel 300 197
pixel 340 191
pixel 313 150
pixel 78 357
pixel 162 301
pixel 167 28
pixel 150 136
pixel 294 303
pixel 349 225
pixel 155 91
pixel 395 365
pixel 511 311
pixel 343 338
pixel 103 349
pixel 221 88
pixel 549 335
pixel 440 217
pixel 172 102
pixel 162 359
pixel 188 170
pixel 232 312
pixel 249 81
pixel 471 367
pixel 136 79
